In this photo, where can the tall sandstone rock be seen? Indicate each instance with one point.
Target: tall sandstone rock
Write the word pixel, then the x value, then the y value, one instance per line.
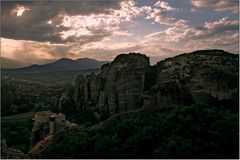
pixel 130 83
pixel 118 88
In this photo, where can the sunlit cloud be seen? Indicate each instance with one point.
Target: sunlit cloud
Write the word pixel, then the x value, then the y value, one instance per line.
pixel 20 10
pixel 104 29
pixel 163 18
pixel 82 25
pixel 49 22
pixel 222 33
pixel 217 5
pixel 164 5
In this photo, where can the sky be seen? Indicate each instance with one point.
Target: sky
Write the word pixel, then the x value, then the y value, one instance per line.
pixel 102 29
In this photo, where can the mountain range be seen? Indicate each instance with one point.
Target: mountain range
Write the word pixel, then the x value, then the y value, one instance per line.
pixel 63 64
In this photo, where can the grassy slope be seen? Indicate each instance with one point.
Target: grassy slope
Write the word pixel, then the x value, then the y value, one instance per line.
pixel 18 117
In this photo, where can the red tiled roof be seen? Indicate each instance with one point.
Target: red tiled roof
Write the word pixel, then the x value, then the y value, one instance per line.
pixel 40 145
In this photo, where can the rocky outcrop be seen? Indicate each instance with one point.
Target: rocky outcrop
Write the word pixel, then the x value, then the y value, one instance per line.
pixel 118 88
pixel 130 83
pixel 10 153
pixel 207 75
pixel 167 94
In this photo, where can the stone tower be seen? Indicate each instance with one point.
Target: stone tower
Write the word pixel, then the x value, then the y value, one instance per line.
pixel 51 123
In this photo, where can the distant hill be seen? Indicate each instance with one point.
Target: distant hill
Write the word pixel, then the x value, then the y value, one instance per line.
pixel 31 61
pixel 64 64
pixel 10 63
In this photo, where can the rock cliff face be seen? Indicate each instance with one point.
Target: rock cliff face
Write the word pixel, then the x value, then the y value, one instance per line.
pixel 118 88
pixel 207 75
pixel 130 83
pixel 167 94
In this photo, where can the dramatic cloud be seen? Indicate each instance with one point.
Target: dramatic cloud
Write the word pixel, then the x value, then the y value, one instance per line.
pixel 208 30
pixel 100 26
pixel 217 5
pixel 102 29
pixel 164 5
pixel 30 20
pixel 163 18
pixel 67 22
pixel 74 21
pixel 223 32
pixel 31 25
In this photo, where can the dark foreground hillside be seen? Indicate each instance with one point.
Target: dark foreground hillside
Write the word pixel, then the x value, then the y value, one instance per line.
pixel 198 131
